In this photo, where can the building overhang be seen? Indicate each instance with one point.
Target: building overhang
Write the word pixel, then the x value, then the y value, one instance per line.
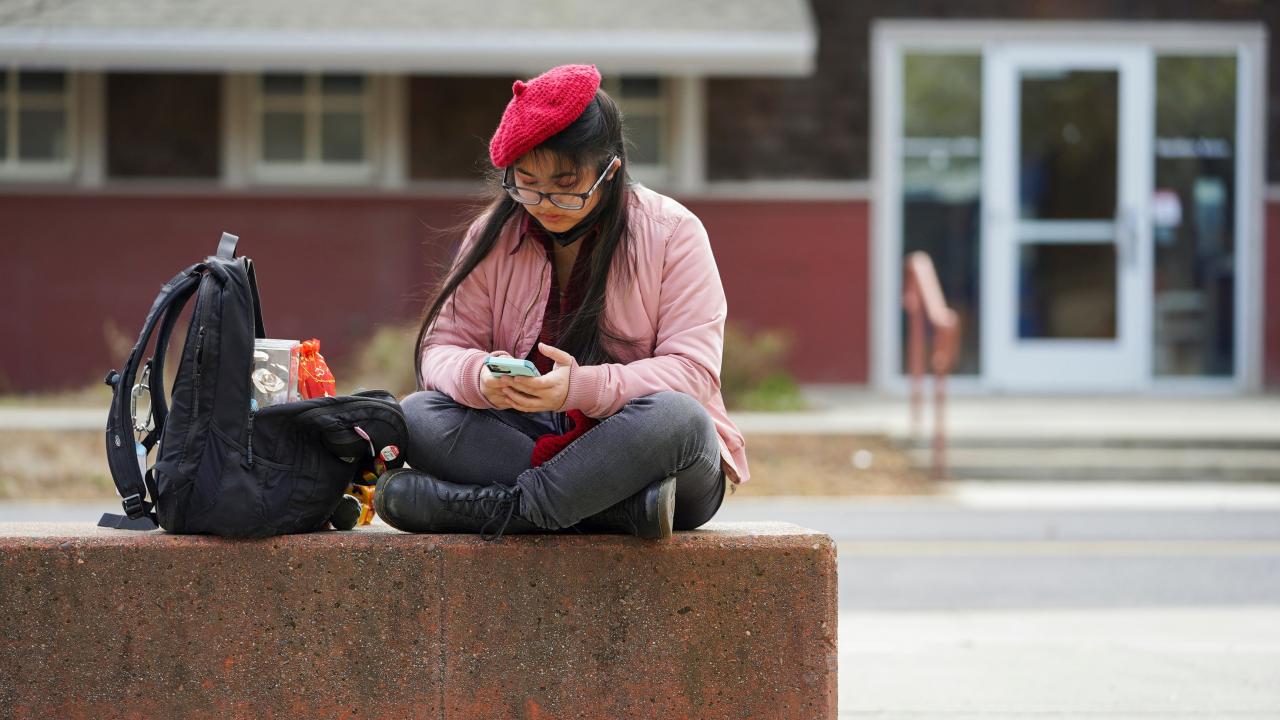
pixel 726 38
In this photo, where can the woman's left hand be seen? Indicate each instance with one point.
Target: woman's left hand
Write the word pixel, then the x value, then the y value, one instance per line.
pixel 547 392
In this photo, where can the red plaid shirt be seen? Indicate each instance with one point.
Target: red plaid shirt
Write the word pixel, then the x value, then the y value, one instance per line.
pixel 561 302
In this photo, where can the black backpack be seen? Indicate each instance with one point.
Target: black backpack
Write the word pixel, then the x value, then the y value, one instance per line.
pixel 221 467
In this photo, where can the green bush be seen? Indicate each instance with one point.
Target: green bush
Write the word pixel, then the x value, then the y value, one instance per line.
pixel 384 362
pixel 753 374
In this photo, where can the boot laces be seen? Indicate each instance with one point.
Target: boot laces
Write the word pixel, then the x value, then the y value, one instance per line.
pixel 505 507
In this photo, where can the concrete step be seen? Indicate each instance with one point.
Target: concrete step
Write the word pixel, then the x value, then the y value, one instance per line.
pixel 1085 462
pixel 1101 442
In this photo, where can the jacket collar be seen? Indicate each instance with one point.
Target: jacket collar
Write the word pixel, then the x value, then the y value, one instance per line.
pixel 526 229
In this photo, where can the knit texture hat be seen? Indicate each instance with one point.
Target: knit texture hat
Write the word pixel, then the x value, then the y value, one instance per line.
pixel 541 108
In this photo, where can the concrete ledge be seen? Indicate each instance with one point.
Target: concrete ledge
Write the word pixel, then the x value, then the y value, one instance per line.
pixel 734 620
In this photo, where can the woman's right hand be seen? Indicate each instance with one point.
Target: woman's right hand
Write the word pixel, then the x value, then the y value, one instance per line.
pixel 491 385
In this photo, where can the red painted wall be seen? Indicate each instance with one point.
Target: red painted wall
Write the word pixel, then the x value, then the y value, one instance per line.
pixel 76 266
pixel 79 266
pixel 801 266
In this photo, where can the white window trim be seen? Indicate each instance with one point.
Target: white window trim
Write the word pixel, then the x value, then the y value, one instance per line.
pixel 14 170
pixel 891 38
pixel 311 171
pixel 689 134
pixel 91 110
pixel 660 174
pixel 393 131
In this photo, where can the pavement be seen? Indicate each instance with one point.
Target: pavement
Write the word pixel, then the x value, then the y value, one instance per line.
pixel 1232 419
pixel 24 417
pixel 1164 663
pixel 1054 599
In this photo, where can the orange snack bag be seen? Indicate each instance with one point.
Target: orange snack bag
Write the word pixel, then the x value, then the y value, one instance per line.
pixel 314 378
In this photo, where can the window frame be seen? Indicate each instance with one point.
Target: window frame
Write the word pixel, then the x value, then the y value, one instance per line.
pixel 12 166
pixel 659 174
pixel 313 169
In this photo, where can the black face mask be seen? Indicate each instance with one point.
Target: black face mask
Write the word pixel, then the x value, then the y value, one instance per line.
pixel 584 226
pixel 570 236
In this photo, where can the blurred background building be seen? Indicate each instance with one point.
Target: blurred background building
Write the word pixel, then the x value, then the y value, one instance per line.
pixel 1090 178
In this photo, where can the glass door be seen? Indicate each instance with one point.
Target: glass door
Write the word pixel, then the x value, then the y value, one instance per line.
pixel 1066 244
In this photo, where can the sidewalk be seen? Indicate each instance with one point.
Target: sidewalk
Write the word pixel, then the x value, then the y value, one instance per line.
pixel 1235 420
pixel 1129 662
pixel 1054 599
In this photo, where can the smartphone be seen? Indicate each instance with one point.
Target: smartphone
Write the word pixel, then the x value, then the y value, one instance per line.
pixel 499 365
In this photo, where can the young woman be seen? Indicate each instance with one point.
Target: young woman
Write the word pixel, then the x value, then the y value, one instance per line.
pixel 612 291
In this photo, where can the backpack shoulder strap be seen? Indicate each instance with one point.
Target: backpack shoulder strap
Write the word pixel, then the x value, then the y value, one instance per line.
pixel 159 399
pixel 122 457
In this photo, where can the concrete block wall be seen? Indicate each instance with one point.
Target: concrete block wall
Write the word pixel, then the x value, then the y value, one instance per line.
pixel 731 621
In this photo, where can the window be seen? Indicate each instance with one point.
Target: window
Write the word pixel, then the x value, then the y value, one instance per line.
pixel 646 116
pixel 35 123
pixel 313 127
pixel 453 145
pixel 942 182
pixel 1194 225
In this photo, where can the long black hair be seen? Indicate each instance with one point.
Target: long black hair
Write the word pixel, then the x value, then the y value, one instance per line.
pixel 589 142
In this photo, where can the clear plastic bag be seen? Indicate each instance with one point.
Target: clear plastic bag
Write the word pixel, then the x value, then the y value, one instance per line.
pixel 274 377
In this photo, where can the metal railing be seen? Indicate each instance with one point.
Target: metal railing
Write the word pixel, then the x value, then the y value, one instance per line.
pixel 925 304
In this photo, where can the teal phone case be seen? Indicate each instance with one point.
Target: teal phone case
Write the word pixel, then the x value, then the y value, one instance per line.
pixel 510 366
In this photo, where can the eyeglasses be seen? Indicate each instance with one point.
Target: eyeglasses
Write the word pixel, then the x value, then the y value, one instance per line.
pixel 563 200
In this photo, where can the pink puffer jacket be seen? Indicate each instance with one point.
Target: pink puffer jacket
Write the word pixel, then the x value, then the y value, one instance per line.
pixel 675 306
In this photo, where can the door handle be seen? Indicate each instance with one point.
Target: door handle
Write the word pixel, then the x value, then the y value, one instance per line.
pixel 1127 237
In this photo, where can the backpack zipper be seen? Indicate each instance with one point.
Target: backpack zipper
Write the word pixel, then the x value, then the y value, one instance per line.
pixel 195 393
pixel 200 345
pixel 249 443
pixel 195 403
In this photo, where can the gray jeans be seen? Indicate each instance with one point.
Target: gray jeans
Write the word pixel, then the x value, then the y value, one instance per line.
pixel 650 438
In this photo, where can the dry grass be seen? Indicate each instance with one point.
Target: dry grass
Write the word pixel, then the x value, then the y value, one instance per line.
pixel 48 465
pixel 51 465
pixel 825 465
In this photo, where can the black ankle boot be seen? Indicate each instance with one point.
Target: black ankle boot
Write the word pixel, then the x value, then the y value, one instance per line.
pixel 414 501
pixel 648 514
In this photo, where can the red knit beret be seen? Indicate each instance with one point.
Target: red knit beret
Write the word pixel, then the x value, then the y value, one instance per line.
pixel 541 108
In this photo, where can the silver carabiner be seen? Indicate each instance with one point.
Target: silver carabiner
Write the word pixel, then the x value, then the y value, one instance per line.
pixel 144 384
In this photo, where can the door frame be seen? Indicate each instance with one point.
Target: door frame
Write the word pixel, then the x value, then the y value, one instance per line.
pixel 890 39
pixel 1118 364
